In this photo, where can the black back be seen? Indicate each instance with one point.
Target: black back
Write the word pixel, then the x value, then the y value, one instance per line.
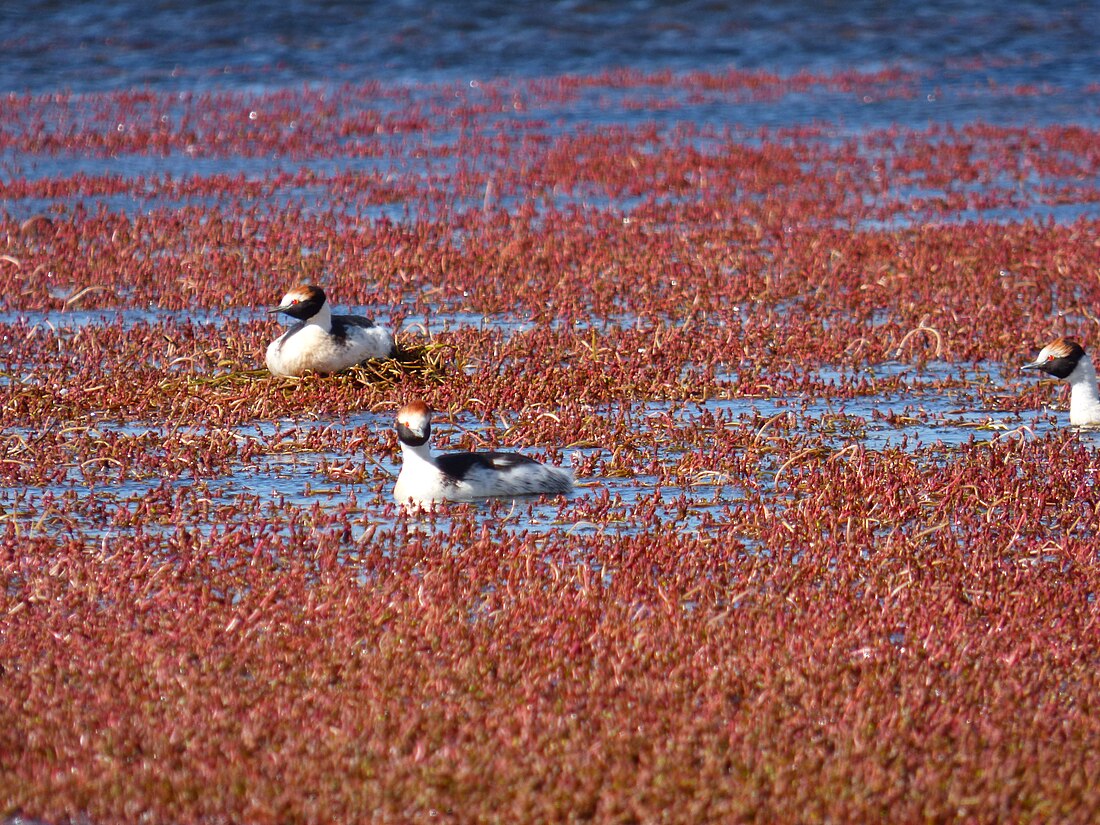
pixel 459 465
pixel 343 324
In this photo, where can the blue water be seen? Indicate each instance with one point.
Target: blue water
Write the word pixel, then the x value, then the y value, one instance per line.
pixel 167 45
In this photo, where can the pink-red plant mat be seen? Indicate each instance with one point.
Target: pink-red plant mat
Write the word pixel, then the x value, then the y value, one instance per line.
pixel 741 618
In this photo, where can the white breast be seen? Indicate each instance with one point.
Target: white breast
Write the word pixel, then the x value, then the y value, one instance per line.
pixel 420 483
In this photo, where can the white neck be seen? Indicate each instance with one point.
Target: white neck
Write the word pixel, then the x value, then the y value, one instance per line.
pixel 1084 400
pixel 419 478
pixel 323 318
pixel 416 455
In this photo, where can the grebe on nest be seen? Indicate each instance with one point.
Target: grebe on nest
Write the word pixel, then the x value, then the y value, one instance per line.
pixel 321 341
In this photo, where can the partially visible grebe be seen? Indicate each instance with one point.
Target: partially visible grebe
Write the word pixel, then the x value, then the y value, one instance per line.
pixel 1067 360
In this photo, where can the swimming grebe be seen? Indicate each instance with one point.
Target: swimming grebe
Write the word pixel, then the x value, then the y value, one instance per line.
pixel 1067 360
pixel 321 341
pixel 425 479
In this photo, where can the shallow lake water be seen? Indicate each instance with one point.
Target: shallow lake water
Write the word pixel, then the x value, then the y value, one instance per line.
pixel 926 421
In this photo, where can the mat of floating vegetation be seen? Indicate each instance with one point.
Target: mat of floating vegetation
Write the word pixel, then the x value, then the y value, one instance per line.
pixel 428 362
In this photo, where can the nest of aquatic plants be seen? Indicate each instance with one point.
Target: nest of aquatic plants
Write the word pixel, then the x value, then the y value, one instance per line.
pixel 429 363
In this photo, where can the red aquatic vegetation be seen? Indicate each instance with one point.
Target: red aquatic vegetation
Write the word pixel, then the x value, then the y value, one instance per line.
pixel 212 608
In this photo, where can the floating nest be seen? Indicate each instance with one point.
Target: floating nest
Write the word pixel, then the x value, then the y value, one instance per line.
pixel 425 362
pixel 428 363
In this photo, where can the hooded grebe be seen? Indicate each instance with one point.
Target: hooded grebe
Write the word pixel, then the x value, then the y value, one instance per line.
pixel 321 341
pixel 425 479
pixel 1067 360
